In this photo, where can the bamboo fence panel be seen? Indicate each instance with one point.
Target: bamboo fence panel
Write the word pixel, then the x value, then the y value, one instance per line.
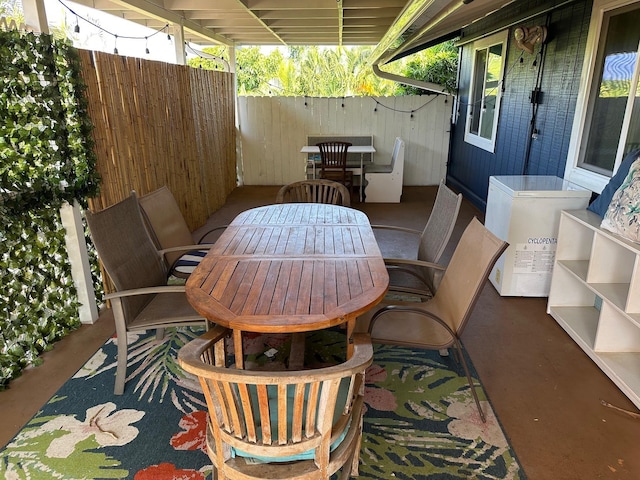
pixel 161 124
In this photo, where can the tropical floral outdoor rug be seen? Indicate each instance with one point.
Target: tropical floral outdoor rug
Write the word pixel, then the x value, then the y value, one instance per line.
pixel 420 421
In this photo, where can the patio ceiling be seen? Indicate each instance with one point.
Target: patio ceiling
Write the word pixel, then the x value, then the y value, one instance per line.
pixel 385 23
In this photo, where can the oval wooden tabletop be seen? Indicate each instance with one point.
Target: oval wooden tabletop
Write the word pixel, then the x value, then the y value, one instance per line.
pixel 290 268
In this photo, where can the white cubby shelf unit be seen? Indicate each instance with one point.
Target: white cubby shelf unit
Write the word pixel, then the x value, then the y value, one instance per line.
pixel 595 296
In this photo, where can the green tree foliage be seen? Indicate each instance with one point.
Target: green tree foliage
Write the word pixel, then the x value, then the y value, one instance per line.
pixel 12 10
pixel 328 72
pixel 437 65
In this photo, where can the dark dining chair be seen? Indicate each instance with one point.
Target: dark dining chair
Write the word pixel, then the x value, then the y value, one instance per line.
pixel 333 162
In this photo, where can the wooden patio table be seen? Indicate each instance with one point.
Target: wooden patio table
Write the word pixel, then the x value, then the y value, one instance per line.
pixel 290 268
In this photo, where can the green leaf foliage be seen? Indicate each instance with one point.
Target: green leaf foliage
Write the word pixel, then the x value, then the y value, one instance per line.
pixel 331 72
pixel 46 158
pixel 46 150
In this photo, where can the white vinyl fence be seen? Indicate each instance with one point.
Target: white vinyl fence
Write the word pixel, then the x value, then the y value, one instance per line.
pixel 274 129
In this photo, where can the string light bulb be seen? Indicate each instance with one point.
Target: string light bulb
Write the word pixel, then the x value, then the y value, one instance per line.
pixel 76 29
pixel 146 45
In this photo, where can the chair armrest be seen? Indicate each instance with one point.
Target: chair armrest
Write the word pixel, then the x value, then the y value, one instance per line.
pixel 398 229
pixel 146 291
pixel 219 227
pixel 419 270
pixel 186 248
pixel 410 309
pixel 416 263
pixel 190 356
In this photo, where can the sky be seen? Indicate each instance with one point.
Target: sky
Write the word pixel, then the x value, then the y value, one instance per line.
pixel 104 39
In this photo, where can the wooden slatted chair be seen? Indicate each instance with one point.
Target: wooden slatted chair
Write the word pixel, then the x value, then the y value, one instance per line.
pixel 305 424
pixel 333 162
pixel 438 323
pixel 142 300
pixel 315 191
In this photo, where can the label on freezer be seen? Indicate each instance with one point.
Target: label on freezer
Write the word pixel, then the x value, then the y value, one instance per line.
pixel 534 257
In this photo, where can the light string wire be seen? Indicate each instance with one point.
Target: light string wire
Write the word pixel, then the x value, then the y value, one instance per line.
pixel 207 56
pixel 116 36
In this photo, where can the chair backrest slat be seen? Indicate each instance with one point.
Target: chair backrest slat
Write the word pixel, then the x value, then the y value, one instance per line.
pixel 312 404
pixel 298 412
pixel 246 414
pixel 265 415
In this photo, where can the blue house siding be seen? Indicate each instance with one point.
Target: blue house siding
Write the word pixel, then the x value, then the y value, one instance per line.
pixel 558 70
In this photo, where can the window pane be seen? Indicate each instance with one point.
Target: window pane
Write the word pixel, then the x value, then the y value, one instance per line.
pixel 478 82
pixel 633 137
pixel 491 86
pixel 612 91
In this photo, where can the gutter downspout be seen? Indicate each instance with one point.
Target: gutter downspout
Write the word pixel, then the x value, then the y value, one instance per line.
pixel 409 42
pixel 410 13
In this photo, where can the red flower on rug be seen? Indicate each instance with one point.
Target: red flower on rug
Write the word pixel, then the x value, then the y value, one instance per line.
pixel 379 398
pixel 168 471
pixel 193 436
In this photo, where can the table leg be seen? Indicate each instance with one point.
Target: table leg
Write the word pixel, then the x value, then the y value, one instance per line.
pixel 237 348
pixel 296 353
pixel 351 326
pixel 361 177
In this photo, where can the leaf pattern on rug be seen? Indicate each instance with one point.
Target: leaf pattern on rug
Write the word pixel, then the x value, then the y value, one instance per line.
pixel 420 421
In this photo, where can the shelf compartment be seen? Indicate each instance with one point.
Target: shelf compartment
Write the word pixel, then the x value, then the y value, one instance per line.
pixel 579 268
pixel 581 323
pixel 567 289
pixel 616 332
pixel 633 300
pixel 582 236
pixel 615 293
pixel 610 263
pixel 622 369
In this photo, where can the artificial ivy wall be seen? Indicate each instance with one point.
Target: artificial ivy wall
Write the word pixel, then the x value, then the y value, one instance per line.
pixel 46 158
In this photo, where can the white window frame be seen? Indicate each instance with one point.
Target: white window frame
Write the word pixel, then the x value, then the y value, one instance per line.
pixel 472 138
pixel 573 172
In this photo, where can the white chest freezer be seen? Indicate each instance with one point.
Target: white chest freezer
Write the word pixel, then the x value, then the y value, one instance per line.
pixel 524 210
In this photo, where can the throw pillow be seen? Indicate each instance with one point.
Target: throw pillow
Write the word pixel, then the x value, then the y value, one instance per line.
pixel 601 203
pixel 623 215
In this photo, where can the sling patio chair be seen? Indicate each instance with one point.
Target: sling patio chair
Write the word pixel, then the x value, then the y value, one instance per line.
pixel 171 234
pixel 438 323
pixel 142 300
pixel 433 240
pixel 304 424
